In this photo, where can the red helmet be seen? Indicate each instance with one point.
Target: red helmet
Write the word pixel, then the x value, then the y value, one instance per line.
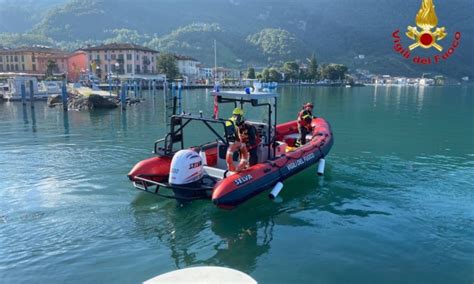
pixel 308 105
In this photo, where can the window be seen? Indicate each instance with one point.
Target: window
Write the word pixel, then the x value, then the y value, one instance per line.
pixel 1 67
pixel 129 68
pixel 120 57
pixel 22 58
pixel 6 57
pixel 16 67
pixel 129 56
pixel 23 67
pixel 106 68
pixel 98 57
pixel 33 58
pixel 138 57
pixel 106 57
pixel 1 58
pixel 8 67
pixel 113 57
pixel 34 67
pixel 90 57
pixel 11 58
pixel 137 69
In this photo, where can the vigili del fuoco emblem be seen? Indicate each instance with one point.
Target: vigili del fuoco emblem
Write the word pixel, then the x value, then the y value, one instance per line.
pixel 426 35
pixel 426 20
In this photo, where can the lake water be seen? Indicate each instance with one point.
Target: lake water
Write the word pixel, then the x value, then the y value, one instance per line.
pixel 396 204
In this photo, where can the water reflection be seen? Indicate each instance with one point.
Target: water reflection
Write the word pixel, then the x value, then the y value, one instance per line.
pixel 25 115
pixel 200 234
pixel 33 119
pixel 123 120
pixel 420 94
pixel 375 96
pixel 66 122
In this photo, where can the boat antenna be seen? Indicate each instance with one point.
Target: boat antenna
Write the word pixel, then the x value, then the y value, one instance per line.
pixel 215 61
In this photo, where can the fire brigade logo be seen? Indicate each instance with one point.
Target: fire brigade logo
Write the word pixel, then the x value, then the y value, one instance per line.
pixel 426 20
pixel 426 34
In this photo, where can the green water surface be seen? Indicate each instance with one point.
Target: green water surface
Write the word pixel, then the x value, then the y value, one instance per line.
pixel 395 204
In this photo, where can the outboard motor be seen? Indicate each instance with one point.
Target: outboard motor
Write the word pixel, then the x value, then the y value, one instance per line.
pixel 186 168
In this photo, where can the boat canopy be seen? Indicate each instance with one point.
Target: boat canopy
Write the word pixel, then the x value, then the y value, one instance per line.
pixel 241 95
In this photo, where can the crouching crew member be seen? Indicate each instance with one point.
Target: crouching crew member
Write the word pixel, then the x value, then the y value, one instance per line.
pixel 243 138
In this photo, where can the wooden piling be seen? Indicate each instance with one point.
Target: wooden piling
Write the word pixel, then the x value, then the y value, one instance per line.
pixel 23 94
pixel 64 95
pixel 32 94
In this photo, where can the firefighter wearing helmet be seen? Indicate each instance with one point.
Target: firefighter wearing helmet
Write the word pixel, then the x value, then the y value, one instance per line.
pixel 245 140
pixel 305 116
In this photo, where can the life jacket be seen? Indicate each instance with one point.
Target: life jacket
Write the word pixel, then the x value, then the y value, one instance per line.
pixel 304 118
pixel 231 128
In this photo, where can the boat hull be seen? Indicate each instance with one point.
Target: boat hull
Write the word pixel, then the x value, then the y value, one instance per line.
pixel 240 187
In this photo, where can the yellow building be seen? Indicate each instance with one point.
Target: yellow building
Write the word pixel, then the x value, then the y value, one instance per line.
pixel 32 60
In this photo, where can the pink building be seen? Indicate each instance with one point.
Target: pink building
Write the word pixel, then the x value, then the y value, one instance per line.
pixel 77 65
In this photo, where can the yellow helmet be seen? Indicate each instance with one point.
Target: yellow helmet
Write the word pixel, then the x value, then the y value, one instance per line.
pixel 238 111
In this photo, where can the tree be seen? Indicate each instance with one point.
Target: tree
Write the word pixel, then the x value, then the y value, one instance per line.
pixel 274 75
pixel 166 64
pixel 51 67
pixel 304 75
pixel 313 73
pixel 334 71
pixel 291 70
pixel 251 73
pixel 266 75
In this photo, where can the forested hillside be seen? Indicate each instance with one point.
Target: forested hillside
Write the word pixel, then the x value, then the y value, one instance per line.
pixel 248 32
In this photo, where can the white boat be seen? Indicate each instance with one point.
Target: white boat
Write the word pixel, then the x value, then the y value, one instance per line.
pixel 14 89
pixel 50 87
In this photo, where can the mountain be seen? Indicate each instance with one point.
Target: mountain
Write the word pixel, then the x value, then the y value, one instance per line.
pixel 264 32
pixel 19 16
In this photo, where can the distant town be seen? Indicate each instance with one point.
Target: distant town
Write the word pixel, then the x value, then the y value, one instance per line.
pixel 118 62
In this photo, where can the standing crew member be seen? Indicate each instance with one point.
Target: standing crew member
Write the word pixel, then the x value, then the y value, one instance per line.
pixel 231 124
pixel 305 116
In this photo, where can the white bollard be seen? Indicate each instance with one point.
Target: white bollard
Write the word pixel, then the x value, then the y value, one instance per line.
pixel 321 165
pixel 276 190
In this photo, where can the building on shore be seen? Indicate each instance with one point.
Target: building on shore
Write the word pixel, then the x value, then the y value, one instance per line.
pixel 77 65
pixel 33 60
pixel 227 75
pixel 206 75
pixel 115 59
pixel 188 67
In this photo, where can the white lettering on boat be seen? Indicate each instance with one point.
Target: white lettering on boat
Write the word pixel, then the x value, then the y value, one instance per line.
pixel 300 162
pixel 242 180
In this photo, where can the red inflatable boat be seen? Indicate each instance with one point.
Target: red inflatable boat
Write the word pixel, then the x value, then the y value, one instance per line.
pixel 200 172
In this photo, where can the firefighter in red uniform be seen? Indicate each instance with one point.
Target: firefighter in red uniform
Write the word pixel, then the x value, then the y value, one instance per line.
pixel 305 116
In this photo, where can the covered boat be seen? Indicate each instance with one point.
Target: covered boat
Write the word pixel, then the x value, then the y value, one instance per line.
pixel 200 172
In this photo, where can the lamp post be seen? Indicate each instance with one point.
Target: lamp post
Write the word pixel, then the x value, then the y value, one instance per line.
pixel 117 66
pixel 109 79
pixel 97 71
